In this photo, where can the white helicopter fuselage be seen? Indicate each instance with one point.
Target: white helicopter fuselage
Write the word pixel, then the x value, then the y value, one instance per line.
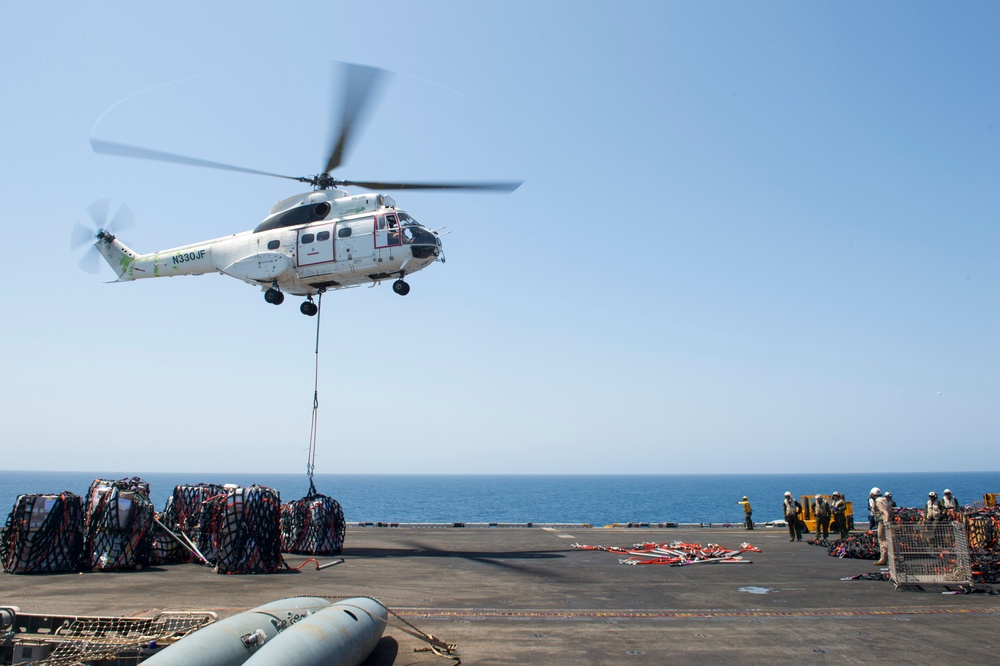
pixel 309 243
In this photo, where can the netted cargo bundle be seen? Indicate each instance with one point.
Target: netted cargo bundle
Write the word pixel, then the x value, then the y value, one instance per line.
pixel 313 525
pixel 182 516
pixel 119 515
pixel 183 510
pixel 43 534
pixel 242 531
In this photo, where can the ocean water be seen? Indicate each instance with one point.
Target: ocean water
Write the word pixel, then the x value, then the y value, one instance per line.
pixel 593 499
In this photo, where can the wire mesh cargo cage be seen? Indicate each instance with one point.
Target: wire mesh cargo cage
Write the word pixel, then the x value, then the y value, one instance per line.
pixel 931 554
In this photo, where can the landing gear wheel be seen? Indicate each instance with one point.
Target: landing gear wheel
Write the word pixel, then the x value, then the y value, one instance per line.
pixel 308 308
pixel 274 297
pixel 401 287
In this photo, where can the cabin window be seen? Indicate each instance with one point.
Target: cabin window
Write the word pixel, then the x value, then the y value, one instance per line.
pixel 273 245
pixel 343 232
pixel 322 236
pixel 307 238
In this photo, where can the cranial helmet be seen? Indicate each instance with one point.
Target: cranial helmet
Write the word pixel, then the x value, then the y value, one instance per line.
pixel 932 494
pixel 787 494
pixel 876 492
pixel 744 498
pixel 947 492
pixel 819 497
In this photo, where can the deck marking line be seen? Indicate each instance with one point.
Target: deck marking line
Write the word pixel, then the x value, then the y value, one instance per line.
pixel 499 613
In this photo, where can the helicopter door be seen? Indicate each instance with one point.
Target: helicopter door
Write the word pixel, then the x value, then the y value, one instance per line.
pixel 387 231
pixel 315 245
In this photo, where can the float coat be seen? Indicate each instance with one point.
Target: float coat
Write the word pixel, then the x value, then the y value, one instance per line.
pixel 343 634
pixel 232 641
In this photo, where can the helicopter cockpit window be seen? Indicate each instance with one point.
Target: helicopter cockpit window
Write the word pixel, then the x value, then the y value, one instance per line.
pixel 322 236
pixel 406 220
pixel 307 238
pixel 343 232
pixel 273 245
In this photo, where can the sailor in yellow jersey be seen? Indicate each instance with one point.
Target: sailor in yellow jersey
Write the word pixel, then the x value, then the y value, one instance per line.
pixel 748 513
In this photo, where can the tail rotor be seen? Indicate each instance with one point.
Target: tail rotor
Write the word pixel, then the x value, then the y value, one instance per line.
pixel 102 226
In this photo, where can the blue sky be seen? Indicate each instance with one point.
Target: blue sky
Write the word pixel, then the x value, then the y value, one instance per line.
pixel 751 238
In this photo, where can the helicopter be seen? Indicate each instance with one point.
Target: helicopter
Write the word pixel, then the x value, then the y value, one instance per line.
pixel 308 243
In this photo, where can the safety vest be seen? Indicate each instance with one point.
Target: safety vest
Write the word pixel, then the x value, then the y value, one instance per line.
pixel 822 508
pixel 791 510
pixel 934 510
pixel 840 506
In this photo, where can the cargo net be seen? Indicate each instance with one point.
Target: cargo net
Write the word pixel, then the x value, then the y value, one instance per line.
pixel 119 515
pixel 313 525
pixel 120 639
pixel 929 554
pixel 43 534
pixel 242 531
pixel 181 515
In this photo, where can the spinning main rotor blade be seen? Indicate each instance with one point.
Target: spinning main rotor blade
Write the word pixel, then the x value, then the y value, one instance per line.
pixel 360 84
pixel 124 150
pixel 497 186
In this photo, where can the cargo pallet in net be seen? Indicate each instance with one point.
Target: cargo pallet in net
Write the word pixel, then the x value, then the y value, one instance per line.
pixel 929 555
pixel 119 515
pixel 313 525
pixel 243 530
pixel 43 534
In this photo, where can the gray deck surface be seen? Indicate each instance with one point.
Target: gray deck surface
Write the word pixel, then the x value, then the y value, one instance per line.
pixel 525 596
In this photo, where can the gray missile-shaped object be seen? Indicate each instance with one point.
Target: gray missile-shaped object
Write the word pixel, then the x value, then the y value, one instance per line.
pixel 342 634
pixel 231 642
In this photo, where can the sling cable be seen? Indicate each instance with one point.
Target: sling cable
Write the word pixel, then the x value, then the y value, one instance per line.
pixel 313 525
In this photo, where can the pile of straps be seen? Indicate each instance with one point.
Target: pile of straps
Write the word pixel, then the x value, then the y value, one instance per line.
pixel 119 515
pixel 677 553
pixel 43 534
pixel 984 544
pixel 861 546
pixel 313 525
pixel 243 530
